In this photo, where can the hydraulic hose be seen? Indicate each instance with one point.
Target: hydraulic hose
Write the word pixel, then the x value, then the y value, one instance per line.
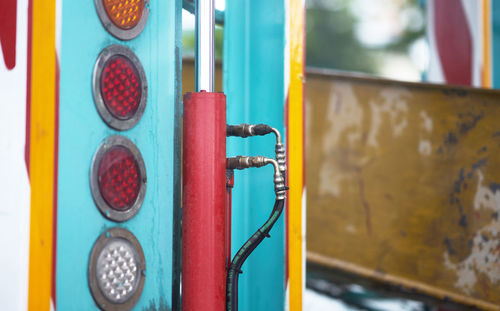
pixel 243 253
pixel 234 269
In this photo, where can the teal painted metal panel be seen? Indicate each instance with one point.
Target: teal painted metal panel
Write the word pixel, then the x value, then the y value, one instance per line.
pixel 254 75
pixel 81 131
pixel 495 42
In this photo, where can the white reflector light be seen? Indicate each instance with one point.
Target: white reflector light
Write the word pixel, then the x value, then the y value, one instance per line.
pixel 117 273
pixel 116 270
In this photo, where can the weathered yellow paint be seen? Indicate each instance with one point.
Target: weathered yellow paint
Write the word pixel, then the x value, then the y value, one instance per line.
pixel 404 185
pixel 42 153
pixel 295 149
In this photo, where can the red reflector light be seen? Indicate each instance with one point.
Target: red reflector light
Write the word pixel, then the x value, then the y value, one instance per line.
pixel 119 178
pixel 121 87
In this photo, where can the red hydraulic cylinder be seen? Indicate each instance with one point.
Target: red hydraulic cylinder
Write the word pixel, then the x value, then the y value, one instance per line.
pixel 204 193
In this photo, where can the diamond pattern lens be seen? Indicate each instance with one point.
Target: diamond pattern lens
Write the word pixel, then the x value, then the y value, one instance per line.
pixel 117 270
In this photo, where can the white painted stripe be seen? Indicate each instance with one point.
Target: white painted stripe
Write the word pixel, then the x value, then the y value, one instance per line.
pixel 287 294
pixel 435 72
pixel 14 182
pixel 473 14
pixel 304 207
pixel 58 26
pixel 59 4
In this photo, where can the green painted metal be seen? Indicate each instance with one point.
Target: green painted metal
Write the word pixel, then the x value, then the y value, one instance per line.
pixel 254 82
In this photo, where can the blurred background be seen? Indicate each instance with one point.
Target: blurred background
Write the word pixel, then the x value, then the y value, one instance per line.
pixel 379 38
pixel 385 38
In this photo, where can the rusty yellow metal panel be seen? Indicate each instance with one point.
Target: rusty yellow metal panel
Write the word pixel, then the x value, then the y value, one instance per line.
pixel 403 185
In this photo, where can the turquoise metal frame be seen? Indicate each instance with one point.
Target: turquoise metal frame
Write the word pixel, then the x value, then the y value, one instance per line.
pixel 254 83
pixel 157 135
pixel 495 43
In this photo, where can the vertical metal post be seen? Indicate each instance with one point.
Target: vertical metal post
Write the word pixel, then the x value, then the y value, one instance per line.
pixel 204 45
pixel 204 252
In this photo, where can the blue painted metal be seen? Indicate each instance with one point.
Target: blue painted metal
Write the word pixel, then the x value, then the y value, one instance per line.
pixel 495 43
pixel 81 131
pixel 254 82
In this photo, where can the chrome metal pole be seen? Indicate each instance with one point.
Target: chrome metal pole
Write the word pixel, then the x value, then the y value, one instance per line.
pixel 204 47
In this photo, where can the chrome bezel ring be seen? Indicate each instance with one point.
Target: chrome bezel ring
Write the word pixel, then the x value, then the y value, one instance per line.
pixel 102 205
pixel 110 119
pixel 101 300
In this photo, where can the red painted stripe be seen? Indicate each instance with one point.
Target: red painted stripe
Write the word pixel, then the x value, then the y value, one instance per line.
pixel 8 28
pixel 454 41
pixel 56 169
pixel 28 88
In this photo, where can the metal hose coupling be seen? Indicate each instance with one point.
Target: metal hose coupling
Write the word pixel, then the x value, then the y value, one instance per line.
pixel 281 157
pixel 240 163
pixel 280 151
pixel 247 130
pixel 241 130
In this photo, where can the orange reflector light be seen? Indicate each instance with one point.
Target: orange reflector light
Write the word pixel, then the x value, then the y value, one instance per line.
pixel 125 14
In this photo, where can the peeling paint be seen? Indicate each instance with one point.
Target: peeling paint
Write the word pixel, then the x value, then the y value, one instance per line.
pixel 349 128
pixel 351 122
pixel 350 228
pixel 162 306
pixel 425 147
pixel 426 121
pixel 483 258
pixel 395 106
pixel 395 177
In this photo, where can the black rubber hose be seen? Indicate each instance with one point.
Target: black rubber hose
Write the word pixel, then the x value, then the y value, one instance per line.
pixel 242 130
pixel 262 129
pixel 243 253
pixel 232 130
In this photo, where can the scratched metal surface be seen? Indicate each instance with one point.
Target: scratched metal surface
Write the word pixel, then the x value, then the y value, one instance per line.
pixel 403 185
